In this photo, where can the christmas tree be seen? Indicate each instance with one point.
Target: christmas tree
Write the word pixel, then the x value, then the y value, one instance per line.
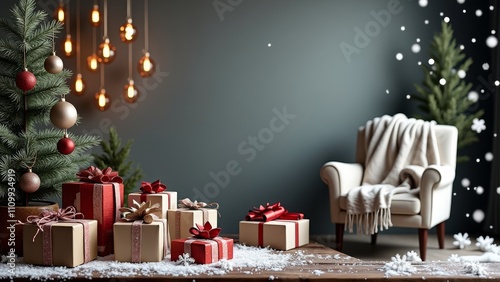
pixel 117 158
pixel 443 95
pixel 32 87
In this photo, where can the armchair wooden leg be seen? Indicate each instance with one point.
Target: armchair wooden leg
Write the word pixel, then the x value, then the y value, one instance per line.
pixel 440 234
pixel 374 238
pixel 423 234
pixel 339 235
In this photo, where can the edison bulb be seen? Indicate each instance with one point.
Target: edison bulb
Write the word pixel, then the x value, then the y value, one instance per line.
pixel 93 62
pixel 106 52
pixel 146 66
pixel 60 14
pixel 128 32
pixel 130 92
pixel 95 16
pixel 68 46
pixel 102 100
pixel 79 85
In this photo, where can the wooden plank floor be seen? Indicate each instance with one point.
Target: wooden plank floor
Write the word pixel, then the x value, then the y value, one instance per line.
pixel 326 264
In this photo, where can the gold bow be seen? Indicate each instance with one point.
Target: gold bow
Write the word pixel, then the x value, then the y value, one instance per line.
pixel 143 211
pixel 187 203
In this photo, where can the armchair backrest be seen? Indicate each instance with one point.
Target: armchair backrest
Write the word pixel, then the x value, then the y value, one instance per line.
pixel 446 135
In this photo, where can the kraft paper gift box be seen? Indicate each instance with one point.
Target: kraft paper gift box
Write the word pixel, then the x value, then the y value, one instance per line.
pixel 277 234
pixel 180 220
pixel 149 244
pixel 64 243
pixel 203 251
pixel 167 201
pixel 99 201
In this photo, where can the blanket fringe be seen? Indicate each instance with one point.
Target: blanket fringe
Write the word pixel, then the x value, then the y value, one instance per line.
pixel 369 223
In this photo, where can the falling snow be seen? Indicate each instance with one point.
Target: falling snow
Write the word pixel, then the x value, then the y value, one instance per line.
pixel 488 156
pixel 465 182
pixel 399 56
pixel 491 41
pixel 478 125
pixel 486 66
pixel 478 216
pixel 415 48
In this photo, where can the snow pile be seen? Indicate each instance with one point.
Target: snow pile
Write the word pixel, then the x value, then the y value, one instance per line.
pixel 399 265
pixel 245 258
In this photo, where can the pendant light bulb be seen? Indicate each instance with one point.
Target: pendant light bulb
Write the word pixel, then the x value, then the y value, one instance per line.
pixel 79 85
pixel 93 62
pixel 102 100
pixel 128 31
pixel 95 16
pixel 106 52
pixel 130 92
pixel 60 14
pixel 68 46
pixel 146 66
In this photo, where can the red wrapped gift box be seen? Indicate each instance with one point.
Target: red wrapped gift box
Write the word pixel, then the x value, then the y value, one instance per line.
pixel 204 251
pixel 99 201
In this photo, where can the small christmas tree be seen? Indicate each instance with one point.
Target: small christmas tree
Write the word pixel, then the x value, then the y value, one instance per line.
pixel 117 159
pixel 32 84
pixel 443 95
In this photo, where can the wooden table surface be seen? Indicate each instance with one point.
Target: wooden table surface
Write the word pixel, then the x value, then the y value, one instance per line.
pixel 326 264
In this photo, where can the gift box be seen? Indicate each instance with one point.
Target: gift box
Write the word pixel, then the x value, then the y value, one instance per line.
pixel 180 220
pixel 155 193
pixel 63 243
pixel 203 251
pixel 277 234
pixel 97 200
pixel 140 242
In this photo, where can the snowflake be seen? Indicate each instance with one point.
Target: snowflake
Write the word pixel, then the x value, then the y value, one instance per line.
pixel 185 259
pixel 474 268
pixel 478 125
pixel 461 240
pixel 454 258
pixel 413 256
pixel 484 243
pixel 493 248
pixel 399 265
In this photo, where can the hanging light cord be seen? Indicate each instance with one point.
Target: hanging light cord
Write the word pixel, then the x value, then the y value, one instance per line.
pixel 146 26
pixel 130 61
pixel 129 14
pixel 78 59
pixel 105 19
pixel 66 19
pixel 53 39
pixel 102 75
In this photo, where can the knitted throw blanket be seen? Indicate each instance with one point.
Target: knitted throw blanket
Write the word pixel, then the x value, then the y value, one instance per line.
pixel 397 151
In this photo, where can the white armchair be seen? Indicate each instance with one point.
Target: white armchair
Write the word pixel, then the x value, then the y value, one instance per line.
pixel 421 208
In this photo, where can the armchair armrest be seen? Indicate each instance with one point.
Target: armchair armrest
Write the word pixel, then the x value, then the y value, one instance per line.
pixel 436 192
pixel 341 176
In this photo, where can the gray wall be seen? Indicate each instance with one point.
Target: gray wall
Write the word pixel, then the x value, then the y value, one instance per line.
pixel 219 84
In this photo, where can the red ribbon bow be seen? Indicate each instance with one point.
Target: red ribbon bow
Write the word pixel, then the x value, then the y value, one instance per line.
pixel 267 213
pixel 272 212
pixel 47 216
pixel 95 175
pixel 204 231
pixel 153 188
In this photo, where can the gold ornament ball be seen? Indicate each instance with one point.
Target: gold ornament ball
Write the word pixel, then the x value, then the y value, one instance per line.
pixel 53 64
pixel 29 182
pixel 63 114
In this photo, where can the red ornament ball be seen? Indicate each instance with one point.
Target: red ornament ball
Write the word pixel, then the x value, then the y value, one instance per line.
pixel 25 80
pixel 29 182
pixel 65 146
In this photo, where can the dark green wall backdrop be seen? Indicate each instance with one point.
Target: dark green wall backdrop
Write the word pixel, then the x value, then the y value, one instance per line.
pixel 251 97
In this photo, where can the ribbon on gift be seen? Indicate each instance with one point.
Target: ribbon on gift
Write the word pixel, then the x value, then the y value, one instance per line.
pixel 272 212
pixel 218 248
pixel 95 175
pixel 139 214
pixel 188 204
pixel 152 188
pixel 45 221
pixel 204 231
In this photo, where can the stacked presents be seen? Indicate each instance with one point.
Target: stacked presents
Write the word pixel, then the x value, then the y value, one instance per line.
pixel 94 222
